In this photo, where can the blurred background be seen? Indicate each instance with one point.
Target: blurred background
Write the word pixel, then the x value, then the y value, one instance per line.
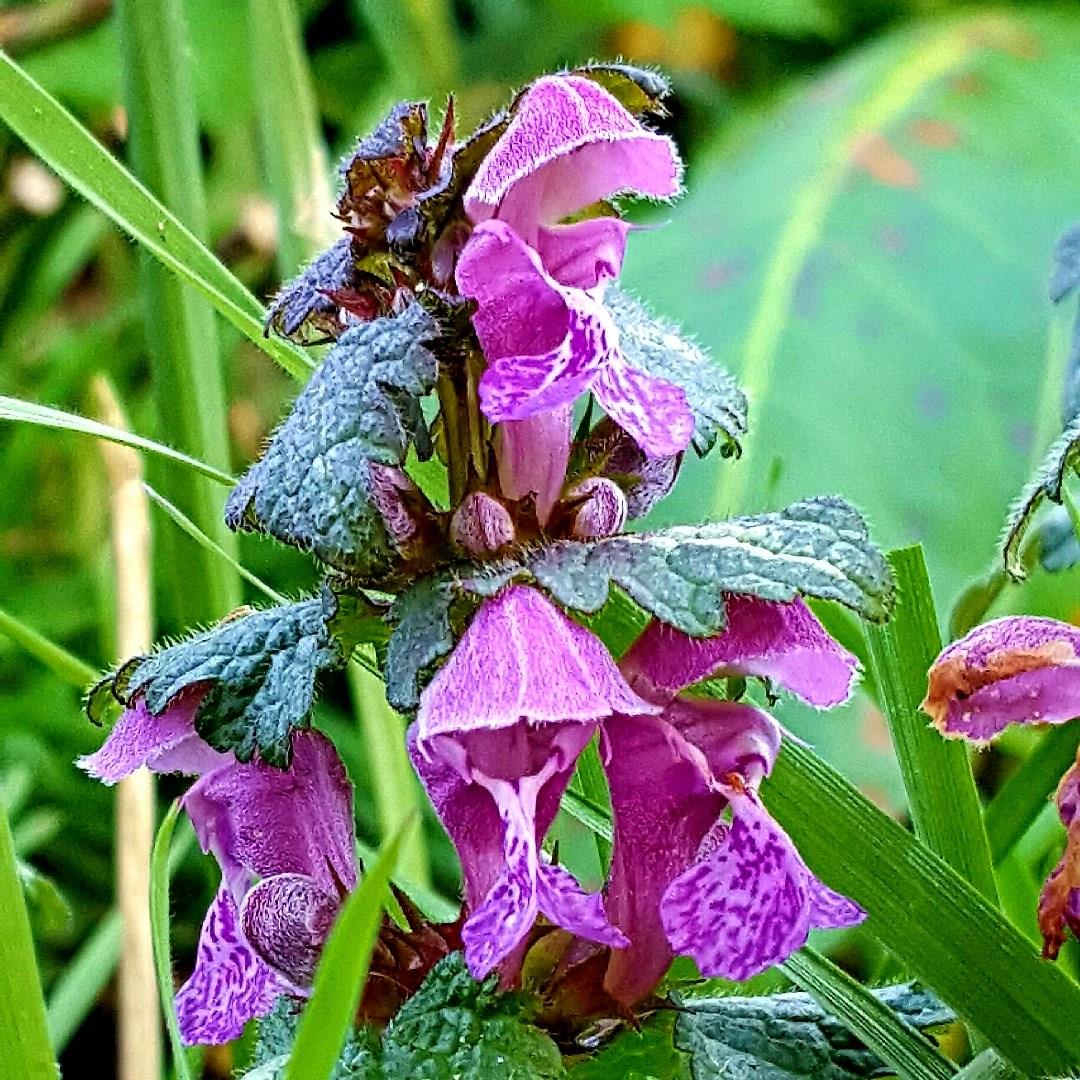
pixel 874 191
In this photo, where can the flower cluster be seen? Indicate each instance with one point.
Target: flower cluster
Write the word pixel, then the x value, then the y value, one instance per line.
pixel 1019 670
pixel 480 273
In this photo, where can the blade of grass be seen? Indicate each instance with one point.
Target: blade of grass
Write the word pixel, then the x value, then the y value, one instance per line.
pixel 73 152
pixel 1022 797
pixel 989 1065
pixel 58 660
pixel 931 919
pixel 289 133
pixel 196 534
pixel 339 979
pixel 24 1033
pixel 159 921
pixel 945 808
pixel 394 785
pixel 28 412
pixel 434 905
pixel 590 781
pixel 900 1046
pixel 75 991
pixel 180 329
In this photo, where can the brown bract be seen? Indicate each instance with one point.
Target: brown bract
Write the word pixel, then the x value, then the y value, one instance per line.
pixel 1054 901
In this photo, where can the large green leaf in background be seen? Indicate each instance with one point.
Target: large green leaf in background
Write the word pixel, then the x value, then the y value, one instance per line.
pixel 870 258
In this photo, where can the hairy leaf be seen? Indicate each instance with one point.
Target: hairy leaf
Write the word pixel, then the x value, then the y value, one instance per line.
pixel 453 1028
pixel 816 548
pixel 658 347
pixel 422 635
pixel 1047 483
pixel 315 487
pixel 789 1036
pixel 259 671
pixel 639 90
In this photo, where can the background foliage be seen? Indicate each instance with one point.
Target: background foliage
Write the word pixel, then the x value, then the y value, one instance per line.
pixel 874 192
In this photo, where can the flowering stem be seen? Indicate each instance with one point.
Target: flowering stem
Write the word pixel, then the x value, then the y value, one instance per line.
pixel 455 434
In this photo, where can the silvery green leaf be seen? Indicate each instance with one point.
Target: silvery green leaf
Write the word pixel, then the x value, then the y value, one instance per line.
pixel 789 1036
pixel 658 347
pixel 422 636
pixel 817 548
pixel 314 486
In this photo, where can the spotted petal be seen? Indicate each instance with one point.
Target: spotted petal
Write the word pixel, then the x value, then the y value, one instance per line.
pixel 652 410
pixel 750 903
pixel 230 984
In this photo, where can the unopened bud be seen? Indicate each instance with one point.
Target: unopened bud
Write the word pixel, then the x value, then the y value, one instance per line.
pixel 602 511
pixel 481 525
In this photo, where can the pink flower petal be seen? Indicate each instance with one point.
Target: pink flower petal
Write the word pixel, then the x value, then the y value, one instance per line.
pixel 164 743
pixel 1014 670
pixel 522 658
pixel 230 984
pixel 783 642
pixel 745 907
pixel 532 456
pixel 654 411
pixel 260 821
pixel 586 253
pixel 567 905
pixel 569 144
pixel 544 343
pixel 286 919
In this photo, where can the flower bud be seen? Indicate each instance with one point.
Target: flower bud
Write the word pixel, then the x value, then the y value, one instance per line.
pixel 400 503
pixel 602 511
pixel 481 525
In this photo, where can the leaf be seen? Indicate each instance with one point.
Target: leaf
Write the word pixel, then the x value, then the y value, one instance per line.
pixel 314 487
pixel 637 89
pixel 645 1054
pixel 422 636
pixel 658 347
pixel 306 298
pixel 817 548
pixel 456 1028
pixel 1047 483
pixel 259 670
pixel 343 967
pixel 65 145
pixel 788 1036
pixel 826 251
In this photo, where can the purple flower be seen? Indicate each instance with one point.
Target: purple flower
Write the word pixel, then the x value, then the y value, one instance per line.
pixel 284 841
pixel 496 739
pixel 1019 670
pixel 539 281
pixel 497 735
pixel 699 868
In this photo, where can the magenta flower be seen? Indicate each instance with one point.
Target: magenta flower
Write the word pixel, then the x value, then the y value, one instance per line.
pixel 733 894
pixel 1019 670
pixel 497 735
pixel 284 841
pixel 495 742
pixel 538 281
